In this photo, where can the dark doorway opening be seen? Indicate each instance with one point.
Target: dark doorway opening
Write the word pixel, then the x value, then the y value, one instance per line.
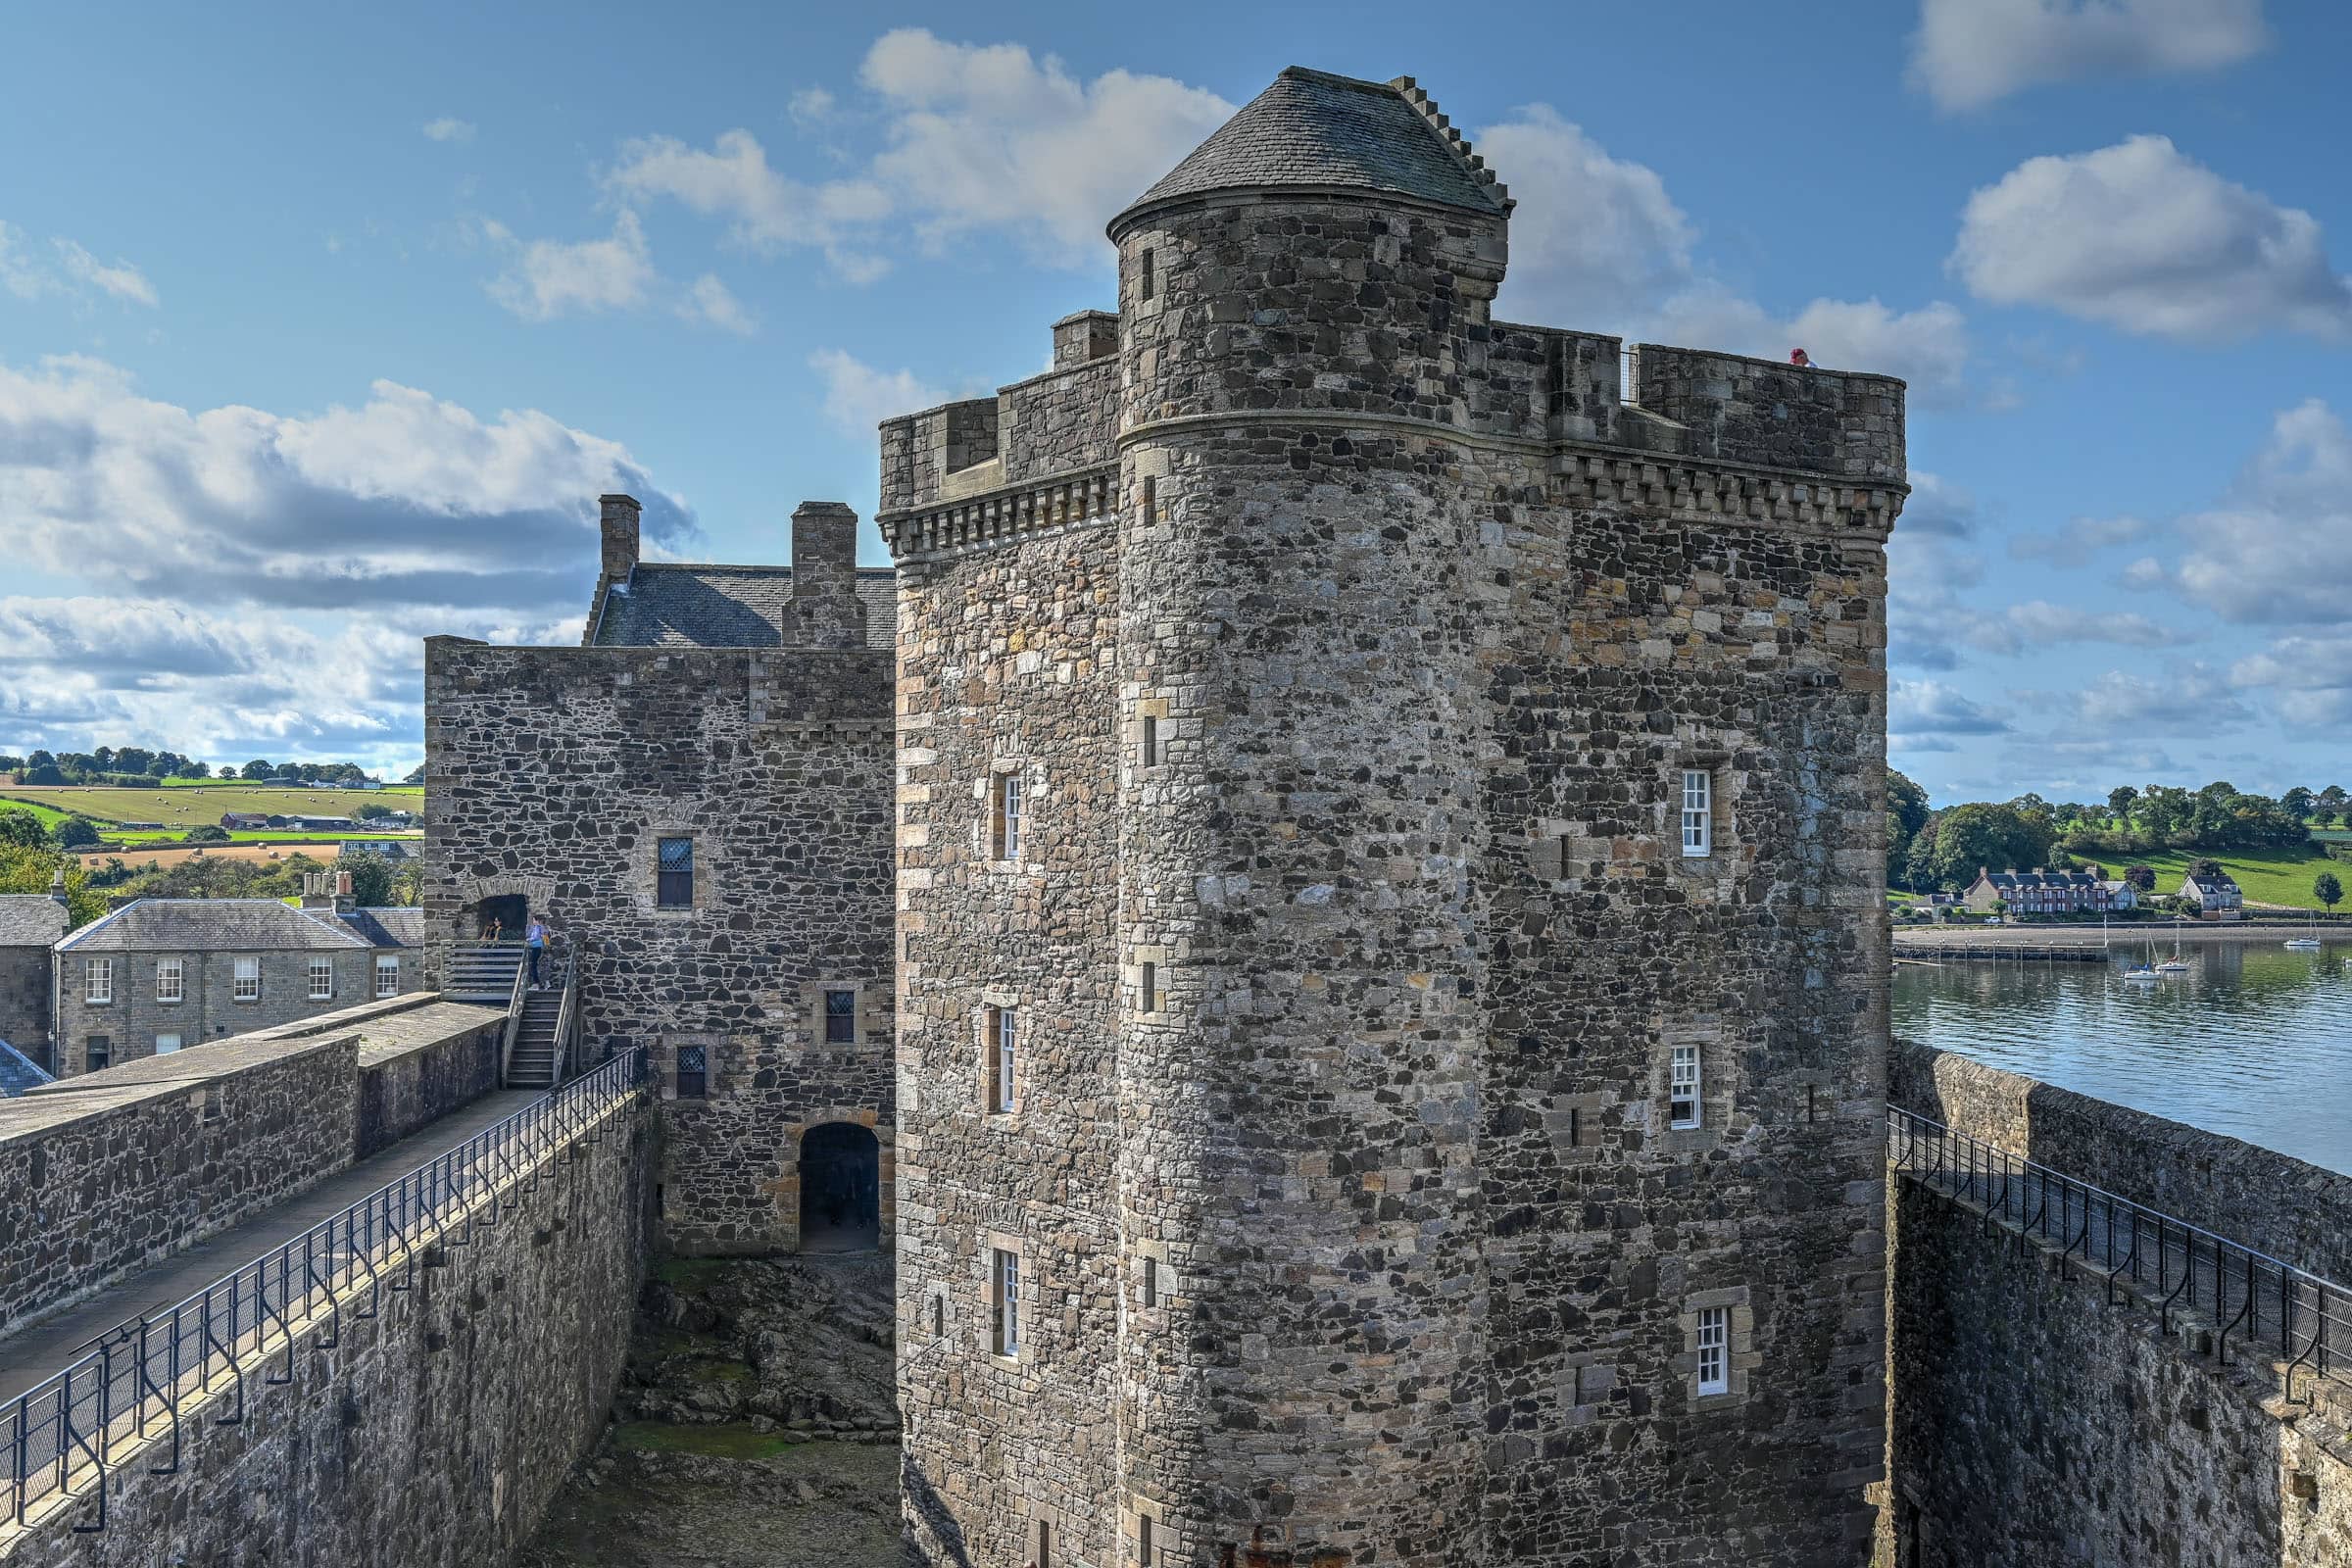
pixel 500 917
pixel 841 1189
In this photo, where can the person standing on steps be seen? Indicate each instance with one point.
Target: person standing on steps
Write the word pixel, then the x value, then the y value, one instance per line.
pixel 534 940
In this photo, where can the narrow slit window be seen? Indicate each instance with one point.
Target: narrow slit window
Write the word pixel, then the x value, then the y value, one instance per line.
pixel 323 979
pixel 1151 741
pixel 1004 819
pixel 1682 1091
pixel 1008 1292
pixel 100 972
pixel 1143 1540
pixel 170 980
pixel 1576 1128
pixel 939 1317
pixel 1714 1350
pixel 841 1017
pixel 245 980
pixel 1148 283
pixel 1150 1281
pixel 674 877
pixel 1003 1049
pixel 1698 814
pixel 1044 1545
pixel 387 976
pixel 1808 1102
pixel 1151 988
pixel 694 1072
pixel 1151 499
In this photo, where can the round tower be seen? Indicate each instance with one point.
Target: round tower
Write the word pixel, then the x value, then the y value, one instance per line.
pixel 1301 1048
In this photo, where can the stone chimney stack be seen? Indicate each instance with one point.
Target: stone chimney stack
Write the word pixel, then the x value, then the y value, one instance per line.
pixel 825 609
pixel 328 889
pixel 621 534
pixel 57 892
pixel 1087 335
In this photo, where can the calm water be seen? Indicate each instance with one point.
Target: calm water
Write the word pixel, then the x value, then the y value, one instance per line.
pixel 2254 1041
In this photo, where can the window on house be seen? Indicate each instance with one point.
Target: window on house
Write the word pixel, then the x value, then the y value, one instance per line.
pixel 96 1053
pixel 1699 813
pixel 100 973
pixel 387 975
pixel 1151 741
pixel 1682 1088
pixel 673 887
pixel 694 1072
pixel 1150 1281
pixel 1007 1290
pixel 1151 988
pixel 1004 819
pixel 841 1017
pixel 323 979
pixel 245 980
pixel 1004 1042
pixel 164 1045
pixel 170 979
pixel 1714 1350
pixel 1148 283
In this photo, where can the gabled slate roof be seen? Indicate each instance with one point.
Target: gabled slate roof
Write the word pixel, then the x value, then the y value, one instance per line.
pixel 214 925
pixel 1313 129
pixel 396 927
pixel 31 920
pixel 681 604
pixel 18 1072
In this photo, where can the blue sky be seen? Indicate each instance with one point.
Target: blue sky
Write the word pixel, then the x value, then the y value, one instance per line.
pixel 320 331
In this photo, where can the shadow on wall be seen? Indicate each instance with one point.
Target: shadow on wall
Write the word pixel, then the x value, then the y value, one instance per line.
pixel 841 1189
pixel 935 1519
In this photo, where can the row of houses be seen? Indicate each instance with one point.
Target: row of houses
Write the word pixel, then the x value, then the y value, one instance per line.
pixel 159 975
pixel 260 821
pixel 2091 892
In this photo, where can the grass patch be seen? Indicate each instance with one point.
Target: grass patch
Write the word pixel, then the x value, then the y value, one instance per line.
pixel 690 1273
pixel 190 805
pixel 50 815
pixel 2268 876
pixel 732 1441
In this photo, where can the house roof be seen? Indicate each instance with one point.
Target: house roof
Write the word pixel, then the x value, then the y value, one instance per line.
pixel 1314 130
pixel 2027 880
pixel 675 605
pixel 31 920
pixel 242 925
pixel 17 1073
pixel 2220 882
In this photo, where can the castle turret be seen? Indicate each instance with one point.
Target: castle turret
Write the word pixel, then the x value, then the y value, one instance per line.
pixel 1301 666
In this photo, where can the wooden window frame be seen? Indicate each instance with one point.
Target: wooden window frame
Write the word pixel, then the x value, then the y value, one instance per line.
pixel 312 970
pixel 237 979
pixel 1004 1302
pixel 1713 1374
pixel 1695 794
pixel 98 982
pixel 177 969
pixel 387 964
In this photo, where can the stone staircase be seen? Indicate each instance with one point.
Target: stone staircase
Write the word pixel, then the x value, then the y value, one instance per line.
pixel 483 973
pixel 533 1064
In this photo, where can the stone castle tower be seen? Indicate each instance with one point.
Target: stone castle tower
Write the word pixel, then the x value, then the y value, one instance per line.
pixel 1390 834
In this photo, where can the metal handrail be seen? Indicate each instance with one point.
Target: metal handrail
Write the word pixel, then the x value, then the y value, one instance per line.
pixel 514 1000
pixel 2275 1308
pixel 567 1019
pixel 126 1388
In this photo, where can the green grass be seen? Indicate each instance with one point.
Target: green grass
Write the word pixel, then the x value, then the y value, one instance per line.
pixel 732 1441
pixel 2266 876
pixel 50 815
pixel 170 840
pixel 188 806
pixel 690 1273
pixel 251 784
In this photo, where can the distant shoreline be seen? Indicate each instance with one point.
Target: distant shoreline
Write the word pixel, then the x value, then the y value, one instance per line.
pixel 2134 933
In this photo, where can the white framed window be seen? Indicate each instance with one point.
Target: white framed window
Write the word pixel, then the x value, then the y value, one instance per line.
pixel 246 980
pixel 1003 1049
pixel 1714 1350
pixel 323 979
pixel 170 980
pixel 1682 1088
pixel 387 974
pixel 99 975
pixel 1005 1287
pixel 1004 817
pixel 1698 814
pixel 164 1045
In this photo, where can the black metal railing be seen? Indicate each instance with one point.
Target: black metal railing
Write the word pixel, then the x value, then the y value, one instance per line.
pixel 127 1386
pixel 2257 1304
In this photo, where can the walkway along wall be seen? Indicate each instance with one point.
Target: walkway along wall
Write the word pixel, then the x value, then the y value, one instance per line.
pixel 431 1436
pixel 2033 1423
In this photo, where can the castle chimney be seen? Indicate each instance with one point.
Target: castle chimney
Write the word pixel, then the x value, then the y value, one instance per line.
pixel 1087 335
pixel 825 609
pixel 621 534
pixel 57 892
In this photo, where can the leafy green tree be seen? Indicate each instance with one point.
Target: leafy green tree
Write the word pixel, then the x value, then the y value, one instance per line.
pixel 1982 836
pixel 415 775
pixel 2141 877
pixel 2327 890
pixel 371 811
pixel 206 833
pixel 2298 803
pixel 76 833
pixel 32 870
pixel 257 769
pixel 370 879
pixel 23 829
pixel 2204 868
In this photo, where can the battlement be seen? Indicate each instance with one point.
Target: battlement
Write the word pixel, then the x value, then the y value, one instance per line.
pixel 1050 425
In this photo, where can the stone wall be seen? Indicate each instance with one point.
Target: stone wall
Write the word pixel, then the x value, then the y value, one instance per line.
pixel 109 1170
pixel 208 1011
pixel 422 1064
pixel 2037 1420
pixel 24 1000
pixel 555 771
pixel 433 1435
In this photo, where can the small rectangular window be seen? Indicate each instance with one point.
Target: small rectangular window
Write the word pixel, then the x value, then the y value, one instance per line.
pixel 694 1073
pixel 1698 814
pixel 1143 1541
pixel 96 1053
pixel 1714 1350
pixel 170 979
pixel 841 1017
pixel 100 972
pixel 1151 741
pixel 1004 1042
pixel 1008 1292
pixel 674 878
pixel 1151 500
pixel 1004 819
pixel 246 980
pixel 1151 988
pixel 387 976
pixel 164 1045
pixel 1682 1092
pixel 1150 1281
pixel 323 979
pixel 1146 283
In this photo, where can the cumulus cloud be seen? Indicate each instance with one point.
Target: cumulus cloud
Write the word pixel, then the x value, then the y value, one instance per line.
pixel 2279 549
pixel 1972 52
pixel 2184 699
pixel 2039 622
pixel 1595 238
pixel 69 270
pixel 766 212
pixel 2079 539
pixel 546 278
pixel 448 129
pixel 713 304
pixel 2141 237
pixel 1932 707
pixel 860 396
pixel 810 106
pixel 2308 679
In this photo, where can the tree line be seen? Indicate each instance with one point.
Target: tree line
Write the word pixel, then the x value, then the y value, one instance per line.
pixel 136 766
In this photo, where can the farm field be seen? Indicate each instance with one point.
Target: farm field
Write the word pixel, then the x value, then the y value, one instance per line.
pixel 139 859
pixel 2268 876
pixel 189 806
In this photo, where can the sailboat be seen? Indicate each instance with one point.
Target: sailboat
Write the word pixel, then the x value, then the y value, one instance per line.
pixel 2307 943
pixel 2143 971
pixel 2176 964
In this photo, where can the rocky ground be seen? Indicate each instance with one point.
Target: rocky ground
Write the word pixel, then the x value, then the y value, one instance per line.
pixel 755 1427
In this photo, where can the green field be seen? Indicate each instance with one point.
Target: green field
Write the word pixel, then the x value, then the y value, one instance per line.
pixel 2268 876
pixel 50 815
pixel 180 810
pixel 243 784
pixel 170 840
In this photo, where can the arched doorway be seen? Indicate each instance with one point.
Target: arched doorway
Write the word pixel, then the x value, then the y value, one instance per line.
pixel 841 1189
pixel 501 914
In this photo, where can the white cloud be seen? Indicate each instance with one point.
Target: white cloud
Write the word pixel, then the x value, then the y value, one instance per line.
pixel 448 129
pixel 76 274
pixel 2309 678
pixel 121 280
pixel 713 304
pixel 1593 239
pixel 766 212
pixel 2039 622
pixel 2279 549
pixel 1971 52
pixel 546 278
pixel 2184 699
pixel 1928 347
pixel 810 106
pixel 2078 539
pixel 860 397
pixel 1931 708
pixel 2143 238
pixel 1938 507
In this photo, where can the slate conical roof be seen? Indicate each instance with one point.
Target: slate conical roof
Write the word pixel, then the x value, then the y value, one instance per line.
pixel 1311 129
